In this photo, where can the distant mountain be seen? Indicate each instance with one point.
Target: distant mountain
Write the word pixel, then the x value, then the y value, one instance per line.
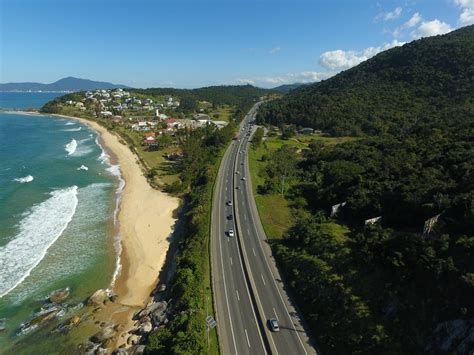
pixel 66 84
pixel 288 87
pixel 426 81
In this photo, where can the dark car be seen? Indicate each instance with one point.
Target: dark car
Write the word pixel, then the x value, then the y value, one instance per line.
pixel 229 217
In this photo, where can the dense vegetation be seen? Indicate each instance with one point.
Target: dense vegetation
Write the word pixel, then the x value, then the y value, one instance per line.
pixel 218 95
pixel 386 287
pixel 428 82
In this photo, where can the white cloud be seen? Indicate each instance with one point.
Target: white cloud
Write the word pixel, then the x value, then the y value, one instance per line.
pixel 392 15
pixel 413 21
pixel 431 28
pixel 289 78
pixel 467 12
pixel 340 60
pixel 274 50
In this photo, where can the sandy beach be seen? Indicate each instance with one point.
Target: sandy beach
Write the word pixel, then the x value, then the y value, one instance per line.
pixel 145 224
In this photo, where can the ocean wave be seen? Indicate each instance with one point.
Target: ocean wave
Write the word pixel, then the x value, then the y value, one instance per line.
pixel 83 167
pixel 37 232
pixel 114 170
pixel 69 123
pixel 72 129
pixel 24 179
pixel 71 147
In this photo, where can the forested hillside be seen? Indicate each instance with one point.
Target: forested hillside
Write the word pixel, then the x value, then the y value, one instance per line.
pixel 392 286
pixel 424 83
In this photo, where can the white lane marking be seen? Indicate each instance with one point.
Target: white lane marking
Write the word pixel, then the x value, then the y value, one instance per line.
pixel 275 314
pixel 230 261
pixel 238 297
pixel 248 231
pixel 263 279
pixel 254 254
pixel 247 336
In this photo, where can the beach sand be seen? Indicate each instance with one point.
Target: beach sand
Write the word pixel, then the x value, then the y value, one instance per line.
pixel 145 225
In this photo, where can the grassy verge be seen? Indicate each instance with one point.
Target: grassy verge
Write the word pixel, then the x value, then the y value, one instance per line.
pixel 274 210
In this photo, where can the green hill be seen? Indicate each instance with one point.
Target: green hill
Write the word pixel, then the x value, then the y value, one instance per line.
pixel 426 82
pixel 391 287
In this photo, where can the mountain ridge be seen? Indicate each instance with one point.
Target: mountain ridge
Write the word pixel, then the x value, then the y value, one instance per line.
pixel 422 81
pixel 66 84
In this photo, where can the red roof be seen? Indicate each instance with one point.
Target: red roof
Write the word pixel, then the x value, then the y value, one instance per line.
pixel 171 120
pixel 151 134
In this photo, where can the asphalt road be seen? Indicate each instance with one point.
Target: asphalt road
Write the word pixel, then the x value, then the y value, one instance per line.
pixel 247 287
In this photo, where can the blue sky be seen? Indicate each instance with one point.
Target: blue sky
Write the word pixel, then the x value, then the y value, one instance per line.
pixel 192 43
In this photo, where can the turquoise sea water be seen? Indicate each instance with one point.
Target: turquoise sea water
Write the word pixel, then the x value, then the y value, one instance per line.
pixel 26 100
pixel 57 202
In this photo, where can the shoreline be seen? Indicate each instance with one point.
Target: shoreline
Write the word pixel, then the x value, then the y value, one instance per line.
pixel 145 224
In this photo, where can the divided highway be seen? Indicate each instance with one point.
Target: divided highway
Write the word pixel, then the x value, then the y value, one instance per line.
pixel 247 287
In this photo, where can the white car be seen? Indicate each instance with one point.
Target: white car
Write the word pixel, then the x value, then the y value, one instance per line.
pixel 230 232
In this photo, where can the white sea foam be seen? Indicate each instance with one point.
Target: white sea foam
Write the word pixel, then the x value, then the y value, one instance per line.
pixel 114 170
pixel 69 123
pixel 37 232
pixel 71 147
pixel 83 167
pixel 72 129
pixel 24 179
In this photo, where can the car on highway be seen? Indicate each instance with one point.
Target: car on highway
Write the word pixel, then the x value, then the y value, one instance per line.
pixel 229 203
pixel 230 232
pixel 273 323
pixel 237 172
pixel 243 178
pixel 230 216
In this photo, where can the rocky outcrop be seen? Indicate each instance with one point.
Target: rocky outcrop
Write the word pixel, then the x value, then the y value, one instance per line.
pixel 98 298
pixel 104 334
pixel 456 336
pixel 59 296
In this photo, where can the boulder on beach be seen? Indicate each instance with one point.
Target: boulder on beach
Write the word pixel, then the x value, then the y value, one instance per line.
pixel 146 328
pixel 98 298
pixel 133 339
pixel 59 295
pixel 104 334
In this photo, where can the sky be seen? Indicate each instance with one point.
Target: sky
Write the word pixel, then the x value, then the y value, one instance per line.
pixel 194 43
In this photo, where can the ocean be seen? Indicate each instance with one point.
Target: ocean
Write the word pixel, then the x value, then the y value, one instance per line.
pixel 58 199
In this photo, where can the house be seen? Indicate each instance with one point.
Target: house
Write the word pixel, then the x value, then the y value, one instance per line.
pixel 106 113
pixel 79 104
pixel 140 126
pixel 150 138
pixel 173 124
pixel 306 130
pixel 201 116
pixel 219 124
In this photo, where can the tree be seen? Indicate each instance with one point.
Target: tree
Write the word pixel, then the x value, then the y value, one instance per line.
pixel 283 166
pixel 257 137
